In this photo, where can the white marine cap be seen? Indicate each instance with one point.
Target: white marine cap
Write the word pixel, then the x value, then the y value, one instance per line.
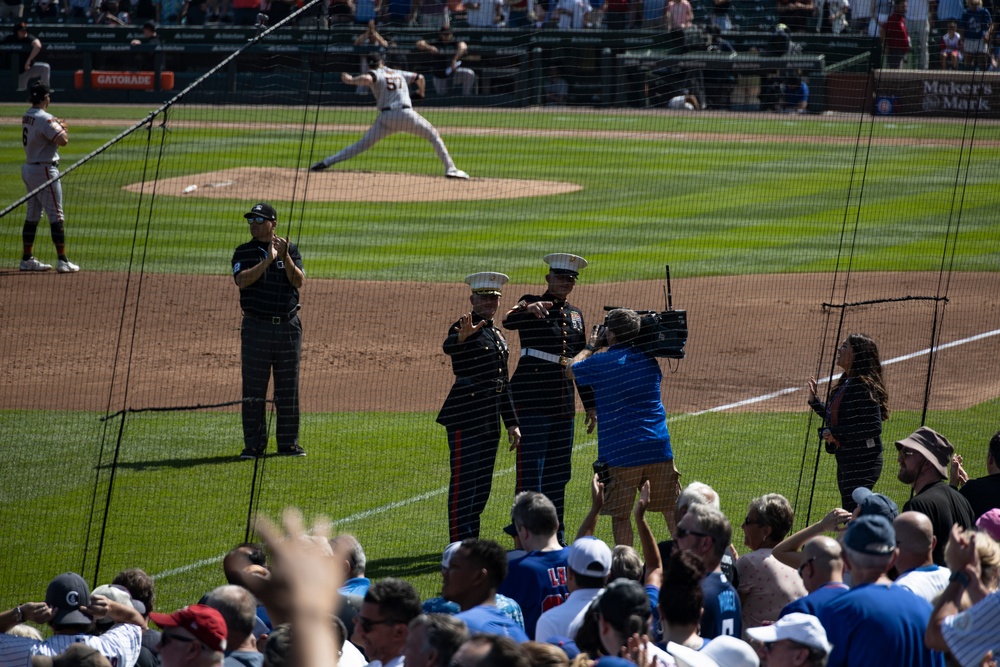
pixel 804 629
pixel 565 264
pixel 487 282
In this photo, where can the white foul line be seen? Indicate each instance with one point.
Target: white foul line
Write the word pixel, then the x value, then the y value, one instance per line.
pixel 589 442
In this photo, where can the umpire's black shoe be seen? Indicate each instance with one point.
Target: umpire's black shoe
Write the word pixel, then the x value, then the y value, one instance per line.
pixel 319 166
pixel 294 450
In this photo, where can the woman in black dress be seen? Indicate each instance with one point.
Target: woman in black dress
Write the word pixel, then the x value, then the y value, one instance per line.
pixel 854 412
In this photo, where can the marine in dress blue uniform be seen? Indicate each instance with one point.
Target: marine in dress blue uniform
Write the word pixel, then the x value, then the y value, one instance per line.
pixel 478 399
pixel 268 271
pixel 552 332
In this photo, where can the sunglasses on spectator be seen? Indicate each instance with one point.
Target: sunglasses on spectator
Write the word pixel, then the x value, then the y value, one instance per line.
pixel 258 221
pixel 684 532
pixel 748 522
pixel 367 623
pixel 166 638
pixel 803 566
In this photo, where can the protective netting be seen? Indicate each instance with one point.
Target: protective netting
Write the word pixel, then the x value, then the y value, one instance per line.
pixel 784 234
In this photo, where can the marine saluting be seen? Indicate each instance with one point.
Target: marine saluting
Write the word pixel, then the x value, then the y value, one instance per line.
pixel 478 399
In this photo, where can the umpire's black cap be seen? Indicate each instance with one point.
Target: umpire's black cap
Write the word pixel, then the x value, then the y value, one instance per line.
pixel 262 210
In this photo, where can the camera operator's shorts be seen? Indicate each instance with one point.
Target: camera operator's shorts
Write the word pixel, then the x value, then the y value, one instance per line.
pixel 620 494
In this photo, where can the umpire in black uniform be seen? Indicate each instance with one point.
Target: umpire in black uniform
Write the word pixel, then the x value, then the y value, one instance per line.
pixel 475 404
pixel 268 271
pixel 552 332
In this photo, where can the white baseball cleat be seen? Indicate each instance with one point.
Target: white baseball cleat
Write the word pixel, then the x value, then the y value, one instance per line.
pixel 456 173
pixel 32 264
pixel 66 266
pixel 319 166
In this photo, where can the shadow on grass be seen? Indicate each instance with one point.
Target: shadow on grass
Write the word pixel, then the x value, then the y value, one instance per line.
pixel 403 567
pixel 183 463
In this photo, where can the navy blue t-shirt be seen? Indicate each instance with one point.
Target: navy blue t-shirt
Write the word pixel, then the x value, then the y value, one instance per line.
pixel 722 613
pixel 537 582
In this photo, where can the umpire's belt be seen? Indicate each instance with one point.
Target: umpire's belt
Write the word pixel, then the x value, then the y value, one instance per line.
pixel 546 356
pixel 393 108
pixel 276 319
pixel 498 385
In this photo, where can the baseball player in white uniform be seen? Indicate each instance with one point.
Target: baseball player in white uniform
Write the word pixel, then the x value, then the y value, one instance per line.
pixel 392 97
pixel 42 134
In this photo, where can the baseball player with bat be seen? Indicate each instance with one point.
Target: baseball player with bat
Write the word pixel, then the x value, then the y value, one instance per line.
pixel 392 97
pixel 42 134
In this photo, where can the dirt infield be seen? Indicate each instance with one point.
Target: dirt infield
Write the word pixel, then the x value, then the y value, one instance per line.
pixel 274 184
pixel 376 346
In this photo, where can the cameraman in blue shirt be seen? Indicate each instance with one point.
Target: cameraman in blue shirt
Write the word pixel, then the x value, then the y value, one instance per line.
pixel 632 439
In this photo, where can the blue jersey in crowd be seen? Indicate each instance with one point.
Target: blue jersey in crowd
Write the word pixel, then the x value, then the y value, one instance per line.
pixel 812 603
pixel 721 613
pixel 538 582
pixel 487 619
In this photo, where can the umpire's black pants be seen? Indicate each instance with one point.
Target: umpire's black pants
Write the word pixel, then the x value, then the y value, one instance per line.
pixel 268 347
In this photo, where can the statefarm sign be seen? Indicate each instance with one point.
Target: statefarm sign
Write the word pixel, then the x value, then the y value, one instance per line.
pixel 104 80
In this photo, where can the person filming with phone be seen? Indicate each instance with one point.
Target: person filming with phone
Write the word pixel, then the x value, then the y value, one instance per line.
pixel 633 444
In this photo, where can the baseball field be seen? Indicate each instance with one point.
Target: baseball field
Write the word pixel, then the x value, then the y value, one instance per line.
pixel 762 218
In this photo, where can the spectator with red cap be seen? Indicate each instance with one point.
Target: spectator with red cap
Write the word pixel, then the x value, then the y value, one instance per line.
pixel 70 611
pixel 194 636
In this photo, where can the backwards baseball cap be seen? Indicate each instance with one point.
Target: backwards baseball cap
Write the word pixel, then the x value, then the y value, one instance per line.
pixel 875 503
pixel 66 594
pixel 932 446
pixel 589 557
pixel 565 264
pixel 803 629
pixel 262 210
pixel 871 534
pixel 77 655
pixel 486 282
pixel 205 623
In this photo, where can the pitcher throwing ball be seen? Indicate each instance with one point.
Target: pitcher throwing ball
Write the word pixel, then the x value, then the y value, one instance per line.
pixel 392 96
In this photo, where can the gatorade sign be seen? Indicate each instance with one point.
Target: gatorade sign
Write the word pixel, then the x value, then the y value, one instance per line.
pixel 104 80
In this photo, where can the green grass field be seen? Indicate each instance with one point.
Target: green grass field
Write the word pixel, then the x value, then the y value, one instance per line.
pixel 718 206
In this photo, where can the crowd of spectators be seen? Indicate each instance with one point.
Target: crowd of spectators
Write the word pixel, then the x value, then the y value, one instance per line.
pixel 875 586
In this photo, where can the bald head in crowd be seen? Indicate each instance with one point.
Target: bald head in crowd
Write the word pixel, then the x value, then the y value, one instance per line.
pixel 915 539
pixel 239 609
pixel 823 562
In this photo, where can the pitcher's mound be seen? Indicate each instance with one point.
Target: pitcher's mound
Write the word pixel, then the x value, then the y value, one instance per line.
pixel 275 184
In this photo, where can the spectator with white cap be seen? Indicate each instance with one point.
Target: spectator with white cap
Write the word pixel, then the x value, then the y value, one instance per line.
pixel 876 624
pixel 475 571
pixel 479 398
pixel 795 640
pixel 924 458
pixel 723 651
pixel 588 566
pixel 551 333
pixel 70 611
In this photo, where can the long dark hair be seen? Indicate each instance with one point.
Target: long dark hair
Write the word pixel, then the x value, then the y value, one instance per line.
pixel 867 368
